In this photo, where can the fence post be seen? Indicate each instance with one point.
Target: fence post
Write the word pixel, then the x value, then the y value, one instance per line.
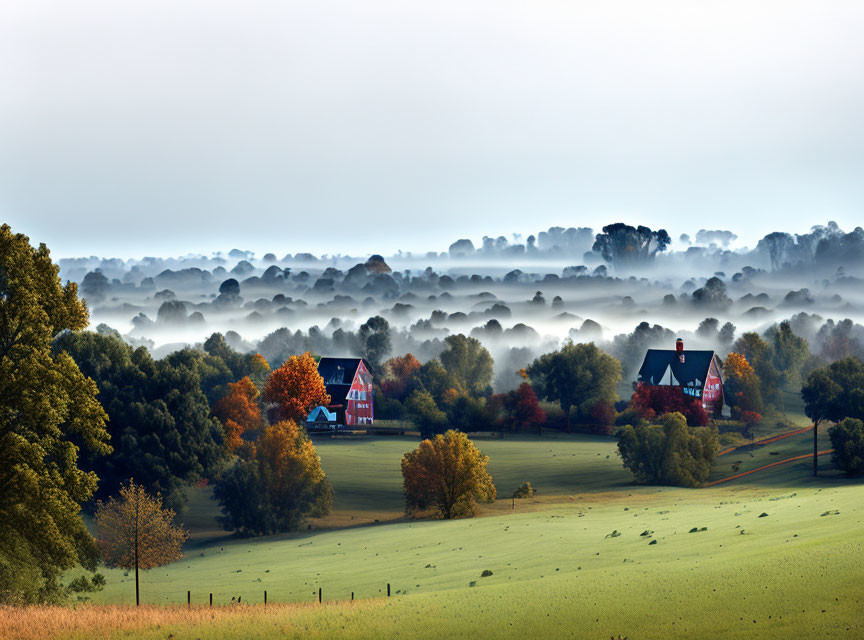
pixel 319 595
pixel 352 596
pixel 211 600
pixel 388 589
pixel 188 599
pixel 265 598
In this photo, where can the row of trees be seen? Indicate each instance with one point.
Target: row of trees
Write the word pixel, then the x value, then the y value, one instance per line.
pixel 215 414
pixel 194 415
pixel 454 390
pixel 835 393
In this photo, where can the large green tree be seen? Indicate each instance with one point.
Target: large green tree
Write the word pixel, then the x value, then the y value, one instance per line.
pixel 159 419
pixel 424 412
pixel 374 338
pixel 576 376
pixel 760 355
pixel 847 438
pixel 470 364
pixel 434 378
pixel 790 352
pixel 833 393
pixel 670 452
pixel 48 412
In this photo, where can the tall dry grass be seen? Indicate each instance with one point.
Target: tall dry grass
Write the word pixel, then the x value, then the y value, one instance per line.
pixel 106 621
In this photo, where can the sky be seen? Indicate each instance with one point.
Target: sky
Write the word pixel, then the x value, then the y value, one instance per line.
pixel 359 126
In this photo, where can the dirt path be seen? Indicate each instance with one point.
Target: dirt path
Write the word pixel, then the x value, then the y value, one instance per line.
pixel 767 440
pixel 767 466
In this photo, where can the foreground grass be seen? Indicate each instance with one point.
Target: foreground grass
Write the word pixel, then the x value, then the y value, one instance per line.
pixel 785 594
pixel 557 571
pixel 94 621
pixel 571 563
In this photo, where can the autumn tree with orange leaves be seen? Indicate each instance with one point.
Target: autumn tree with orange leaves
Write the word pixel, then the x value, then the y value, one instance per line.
pixel 399 372
pixel 275 486
pixel 238 411
pixel 135 532
pixel 295 388
pixel 743 393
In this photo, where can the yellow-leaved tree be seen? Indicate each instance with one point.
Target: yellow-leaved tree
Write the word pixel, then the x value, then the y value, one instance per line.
pixel 447 474
pixel 135 532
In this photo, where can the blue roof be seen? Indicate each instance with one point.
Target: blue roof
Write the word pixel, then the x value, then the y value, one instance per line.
pixel 321 414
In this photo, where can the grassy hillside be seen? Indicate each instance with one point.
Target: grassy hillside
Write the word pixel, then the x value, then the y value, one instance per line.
pixel 367 479
pixel 591 556
pixel 557 569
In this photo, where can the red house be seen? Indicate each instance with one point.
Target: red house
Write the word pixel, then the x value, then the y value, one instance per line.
pixel 349 385
pixel 697 373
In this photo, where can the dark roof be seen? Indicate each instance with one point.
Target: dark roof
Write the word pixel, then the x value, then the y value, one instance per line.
pixel 338 374
pixel 691 373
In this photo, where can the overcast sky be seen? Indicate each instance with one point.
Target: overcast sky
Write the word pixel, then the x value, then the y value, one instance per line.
pixel 157 127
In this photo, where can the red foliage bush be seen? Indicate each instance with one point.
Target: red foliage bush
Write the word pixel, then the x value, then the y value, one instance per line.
pixel 652 402
pixel 751 418
pixel 602 415
pixel 522 408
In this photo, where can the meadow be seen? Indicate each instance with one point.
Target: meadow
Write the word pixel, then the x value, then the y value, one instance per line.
pixel 591 556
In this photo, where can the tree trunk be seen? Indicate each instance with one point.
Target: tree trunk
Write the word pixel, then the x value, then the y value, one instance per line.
pixel 815 448
pixel 569 426
pixel 137 592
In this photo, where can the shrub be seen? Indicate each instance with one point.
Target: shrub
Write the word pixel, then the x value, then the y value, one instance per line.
pixel 387 408
pixel 524 491
pixel 669 453
pixel 486 573
pixel 83 584
pixel 847 438
pixel 630 416
pixel 733 427
pixel 751 418
pixel 602 415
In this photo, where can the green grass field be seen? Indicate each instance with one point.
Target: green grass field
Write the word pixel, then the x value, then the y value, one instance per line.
pixel 558 570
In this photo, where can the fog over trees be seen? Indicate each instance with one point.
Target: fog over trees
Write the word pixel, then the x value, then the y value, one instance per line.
pixel 624 288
